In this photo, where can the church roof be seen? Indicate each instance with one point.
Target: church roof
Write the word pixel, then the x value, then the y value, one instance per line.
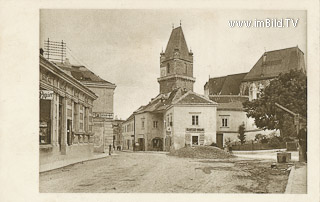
pixel 177 42
pixel 272 63
pixel 225 85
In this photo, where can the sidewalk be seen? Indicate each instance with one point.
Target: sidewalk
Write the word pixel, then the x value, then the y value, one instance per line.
pixel 297 182
pixel 63 163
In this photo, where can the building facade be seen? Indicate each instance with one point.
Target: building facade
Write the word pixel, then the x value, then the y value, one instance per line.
pixel 65 128
pixel 232 90
pixel 102 111
pixel 128 134
pixel 177 117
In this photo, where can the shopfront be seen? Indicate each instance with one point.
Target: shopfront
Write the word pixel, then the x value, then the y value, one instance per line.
pixel 65 116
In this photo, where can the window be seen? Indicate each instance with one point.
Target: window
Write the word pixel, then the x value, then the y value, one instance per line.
pixel 142 123
pixel 225 122
pixel 155 124
pixel 195 120
pixel 45 122
pixel 185 68
pixel 168 68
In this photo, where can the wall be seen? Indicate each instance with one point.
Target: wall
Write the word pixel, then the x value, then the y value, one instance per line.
pixel 236 118
pixel 103 134
pixel 128 132
pixel 139 131
pixel 182 119
pixel 154 132
pixel 104 103
pixel 172 83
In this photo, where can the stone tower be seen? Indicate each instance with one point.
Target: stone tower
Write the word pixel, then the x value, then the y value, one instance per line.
pixel 176 64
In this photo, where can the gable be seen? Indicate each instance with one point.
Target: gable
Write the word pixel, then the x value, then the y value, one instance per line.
pixel 193 98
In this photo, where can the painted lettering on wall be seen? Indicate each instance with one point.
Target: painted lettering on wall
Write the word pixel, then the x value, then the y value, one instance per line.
pixel 46 94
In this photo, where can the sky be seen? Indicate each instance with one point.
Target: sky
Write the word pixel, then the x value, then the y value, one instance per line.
pixel 123 46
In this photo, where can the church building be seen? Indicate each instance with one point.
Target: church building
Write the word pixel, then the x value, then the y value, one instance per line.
pixel 177 116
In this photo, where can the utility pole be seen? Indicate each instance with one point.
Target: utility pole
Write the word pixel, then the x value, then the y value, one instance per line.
pixel 297 125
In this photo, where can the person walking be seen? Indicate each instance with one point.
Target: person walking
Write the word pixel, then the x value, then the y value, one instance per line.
pixel 303 143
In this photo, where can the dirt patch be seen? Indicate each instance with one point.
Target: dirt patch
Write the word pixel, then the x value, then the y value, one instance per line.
pixel 265 178
pixel 201 152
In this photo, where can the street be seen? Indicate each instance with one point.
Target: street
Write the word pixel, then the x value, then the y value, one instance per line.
pixel 128 172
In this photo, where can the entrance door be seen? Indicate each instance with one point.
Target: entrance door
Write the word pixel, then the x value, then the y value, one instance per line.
pixel 195 140
pixel 219 140
pixel 69 132
pixel 167 143
pixel 141 144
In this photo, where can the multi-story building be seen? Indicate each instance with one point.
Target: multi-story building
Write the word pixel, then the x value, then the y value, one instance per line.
pixel 128 133
pixel 102 112
pixel 65 133
pixel 177 117
pixel 232 90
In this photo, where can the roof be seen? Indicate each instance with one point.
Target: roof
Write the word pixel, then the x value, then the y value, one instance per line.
pixel 237 105
pixel 272 63
pixel 176 97
pixel 225 85
pixel 81 73
pixel 228 98
pixel 177 42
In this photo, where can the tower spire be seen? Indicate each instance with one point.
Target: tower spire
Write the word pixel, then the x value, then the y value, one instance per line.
pixel 180 23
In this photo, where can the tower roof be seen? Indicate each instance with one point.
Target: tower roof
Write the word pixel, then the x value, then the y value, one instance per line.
pixel 177 42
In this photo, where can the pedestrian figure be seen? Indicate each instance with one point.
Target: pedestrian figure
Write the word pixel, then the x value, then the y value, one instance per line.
pixel 303 142
pixel 110 149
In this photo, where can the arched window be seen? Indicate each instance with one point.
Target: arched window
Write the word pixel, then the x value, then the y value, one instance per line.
pixel 252 92
pixel 168 68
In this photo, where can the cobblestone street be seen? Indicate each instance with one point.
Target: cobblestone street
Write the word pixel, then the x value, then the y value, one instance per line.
pixel 158 173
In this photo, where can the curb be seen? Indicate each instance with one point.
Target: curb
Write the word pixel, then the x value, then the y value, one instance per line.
pixel 290 180
pixel 64 163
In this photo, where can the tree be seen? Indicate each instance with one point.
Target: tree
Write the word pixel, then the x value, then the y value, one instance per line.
pixel 241 131
pixel 290 91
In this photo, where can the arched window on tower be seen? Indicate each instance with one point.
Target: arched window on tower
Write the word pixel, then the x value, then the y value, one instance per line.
pixel 168 68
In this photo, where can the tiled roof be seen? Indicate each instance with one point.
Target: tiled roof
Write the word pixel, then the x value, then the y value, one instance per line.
pixel 193 98
pixel 276 62
pixel 177 41
pixel 177 96
pixel 81 73
pixel 226 85
pixel 237 105
pixel 228 98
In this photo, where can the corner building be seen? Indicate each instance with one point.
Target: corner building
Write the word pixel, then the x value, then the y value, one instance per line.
pixel 177 116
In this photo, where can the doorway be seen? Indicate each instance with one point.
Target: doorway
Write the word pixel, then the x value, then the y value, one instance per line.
pixel 141 144
pixel 69 132
pixel 195 140
pixel 219 140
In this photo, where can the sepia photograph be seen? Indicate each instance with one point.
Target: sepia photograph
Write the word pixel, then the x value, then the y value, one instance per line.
pixel 151 100
pixel 173 101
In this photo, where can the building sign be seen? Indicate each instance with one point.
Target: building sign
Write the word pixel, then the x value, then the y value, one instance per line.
pixel 195 130
pixel 103 115
pixel 46 94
